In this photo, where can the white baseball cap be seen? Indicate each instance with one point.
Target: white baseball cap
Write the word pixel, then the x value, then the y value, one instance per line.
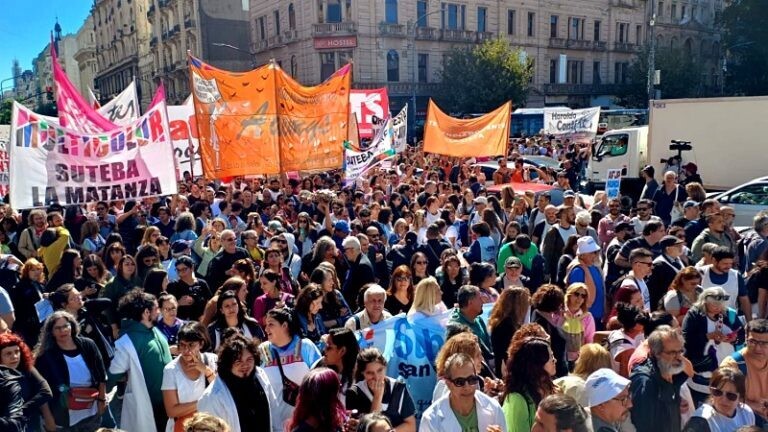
pixel 603 385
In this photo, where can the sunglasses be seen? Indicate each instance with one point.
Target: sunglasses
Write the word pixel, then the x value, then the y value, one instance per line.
pixel 401 279
pixel 716 392
pixel 471 380
pixel 582 295
pixel 421 262
pixel 719 297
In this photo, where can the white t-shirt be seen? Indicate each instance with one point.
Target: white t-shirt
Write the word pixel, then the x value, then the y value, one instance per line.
pixel 719 423
pixel 618 342
pixel 79 376
pixel 187 390
pixel 632 281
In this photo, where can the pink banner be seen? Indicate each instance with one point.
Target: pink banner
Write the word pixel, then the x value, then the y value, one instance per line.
pixel 74 111
pixel 367 104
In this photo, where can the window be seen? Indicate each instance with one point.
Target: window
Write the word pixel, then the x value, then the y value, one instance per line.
pixel 291 17
pixel 481 17
pixel 660 9
pixel 553 26
pixel 327 65
pixel 639 35
pixel 390 11
pixel 683 12
pixel 622 32
pixel 575 72
pixel 553 71
pixel 262 29
pixel 596 79
pixel 334 11
pixel 596 35
pixel 294 67
pixel 531 24
pixel 510 22
pixel 673 12
pixel 693 12
pixel 754 194
pixel 277 22
pixel 613 145
pixel 423 61
pixel 421 13
pixel 620 72
pixel 393 66
pixel 576 29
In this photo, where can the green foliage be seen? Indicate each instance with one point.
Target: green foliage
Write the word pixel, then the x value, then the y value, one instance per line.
pixel 481 78
pixel 745 39
pixel 5 111
pixel 680 78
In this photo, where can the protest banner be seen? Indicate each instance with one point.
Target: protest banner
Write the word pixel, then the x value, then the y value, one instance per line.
pixel 181 119
pixel 400 125
pixel 487 135
pixel 264 122
pixel 357 161
pixel 5 135
pixel 613 183
pixel 410 347
pixel 123 109
pixel 74 111
pixel 367 104
pixel 577 125
pixel 53 164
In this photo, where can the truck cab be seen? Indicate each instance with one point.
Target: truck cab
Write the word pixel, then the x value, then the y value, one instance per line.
pixel 624 149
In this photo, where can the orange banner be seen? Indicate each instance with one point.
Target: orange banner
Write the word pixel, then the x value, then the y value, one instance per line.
pixel 487 135
pixel 264 122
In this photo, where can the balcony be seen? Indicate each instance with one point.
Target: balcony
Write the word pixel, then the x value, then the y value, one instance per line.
pixel 427 33
pixel 334 29
pixel 599 46
pixel 454 35
pixel 392 30
pixel 401 88
pixel 290 36
pixel 275 40
pixel 626 47
pixel 580 44
pixel 484 36
pixel 174 31
pixel 581 89
pixel 259 46
pixel 557 43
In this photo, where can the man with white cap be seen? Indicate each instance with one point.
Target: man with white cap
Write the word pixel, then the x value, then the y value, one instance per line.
pixel 584 269
pixel 608 399
pixel 480 203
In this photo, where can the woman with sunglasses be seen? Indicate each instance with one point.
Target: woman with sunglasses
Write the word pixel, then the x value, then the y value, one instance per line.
pixel 192 292
pixel 711 331
pixel 578 323
pixel 725 410
pixel 528 380
pixel 683 292
pixel 400 291
pixel 419 263
pixel 374 391
pixel 206 247
pixel 306 234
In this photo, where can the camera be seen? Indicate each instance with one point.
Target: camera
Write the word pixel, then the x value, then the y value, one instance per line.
pixel 680 145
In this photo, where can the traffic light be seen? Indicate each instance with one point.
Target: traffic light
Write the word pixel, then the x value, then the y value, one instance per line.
pixel 49 93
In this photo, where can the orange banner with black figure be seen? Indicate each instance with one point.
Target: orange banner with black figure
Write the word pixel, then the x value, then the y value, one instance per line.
pixel 264 122
pixel 487 135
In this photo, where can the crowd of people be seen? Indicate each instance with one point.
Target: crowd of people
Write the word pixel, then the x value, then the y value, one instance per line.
pixel 238 306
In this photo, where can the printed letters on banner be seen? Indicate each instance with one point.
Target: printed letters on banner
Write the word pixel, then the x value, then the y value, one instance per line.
pixel 264 122
pixel 577 125
pixel 400 124
pixel 358 161
pixel 53 164
pixel 487 135
pixel 367 104
pixel 183 124
pixel 124 108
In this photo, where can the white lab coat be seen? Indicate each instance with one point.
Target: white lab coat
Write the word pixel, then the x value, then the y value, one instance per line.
pixel 137 407
pixel 439 417
pixel 217 400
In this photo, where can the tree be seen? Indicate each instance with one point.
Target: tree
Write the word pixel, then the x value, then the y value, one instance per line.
pixel 680 77
pixel 5 111
pixel 481 78
pixel 745 45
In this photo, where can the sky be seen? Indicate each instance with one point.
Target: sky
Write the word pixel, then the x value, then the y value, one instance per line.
pixel 26 25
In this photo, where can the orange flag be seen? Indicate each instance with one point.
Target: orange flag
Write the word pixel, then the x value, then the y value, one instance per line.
pixel 264 122
pixel 487 135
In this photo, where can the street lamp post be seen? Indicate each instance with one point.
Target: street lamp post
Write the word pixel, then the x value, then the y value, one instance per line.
pixel 652 53
pixel 2 93
pixel 414 60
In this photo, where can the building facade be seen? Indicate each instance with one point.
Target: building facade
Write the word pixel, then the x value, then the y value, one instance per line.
pixel 580 49
pixel 200 27
pixel 86 56
pixel 122 35
pixel 42 67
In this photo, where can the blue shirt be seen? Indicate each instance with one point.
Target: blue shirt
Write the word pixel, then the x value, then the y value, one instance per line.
pixel 598 306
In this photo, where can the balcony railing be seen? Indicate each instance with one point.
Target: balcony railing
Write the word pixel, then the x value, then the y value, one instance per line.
pixel 275 40
pixel 484 36
pixel 557 43
pixel 455 35
pixel 582 89
pixel 626 47
pixel 392 30
pixel 401 88
pixel 259 46
pixel 427 33
pixel 580 44
pixel 599 46
pixel 290 36
pixel 334 29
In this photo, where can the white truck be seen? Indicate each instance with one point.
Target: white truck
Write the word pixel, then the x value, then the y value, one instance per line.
pixel 726 140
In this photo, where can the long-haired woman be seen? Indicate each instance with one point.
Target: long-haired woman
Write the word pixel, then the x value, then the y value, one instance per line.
pixel 528 380
pixel 400 291
pixel 318 408
pixel 309 302
pixel 507 316
pixel 71 268
pixel 27 292
pixel 335 311
pixel 94 278
pixel 230 313
pixel 340 354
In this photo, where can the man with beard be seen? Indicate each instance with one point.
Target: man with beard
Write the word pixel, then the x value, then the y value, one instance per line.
pixel 751 361
pixel 714 233
pixel 608 399
pixel 655 383
pixel 543 227
pixel 554 242
pixel 606 228
pixel 622 231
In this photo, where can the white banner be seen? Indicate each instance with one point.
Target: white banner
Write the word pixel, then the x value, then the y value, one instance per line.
pixel 400 124
pixel 358 161
pixel 184 134
pixel 577 125
pixel 51 164
pixel 124 108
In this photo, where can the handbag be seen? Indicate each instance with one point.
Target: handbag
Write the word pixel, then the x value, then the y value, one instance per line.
pixel 677 211
pixel 81 398
pixel 290 388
